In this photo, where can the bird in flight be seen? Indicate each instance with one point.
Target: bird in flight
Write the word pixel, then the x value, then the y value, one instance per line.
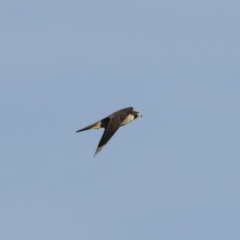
pixel 111 124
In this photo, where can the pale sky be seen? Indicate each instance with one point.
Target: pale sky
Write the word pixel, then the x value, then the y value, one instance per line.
pixel 172 174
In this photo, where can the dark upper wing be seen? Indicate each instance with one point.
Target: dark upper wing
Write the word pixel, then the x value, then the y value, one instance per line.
pixel 94 125
pixel 124 111
pixel 112 127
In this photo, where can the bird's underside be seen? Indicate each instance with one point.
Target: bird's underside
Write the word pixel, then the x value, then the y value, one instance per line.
pixel 111 125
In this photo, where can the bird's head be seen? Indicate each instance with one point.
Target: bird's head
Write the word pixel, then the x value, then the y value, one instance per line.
pixel 137 114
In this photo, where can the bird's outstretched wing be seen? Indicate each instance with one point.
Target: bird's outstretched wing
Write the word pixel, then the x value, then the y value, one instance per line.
pixel 122 112
pixel 112 127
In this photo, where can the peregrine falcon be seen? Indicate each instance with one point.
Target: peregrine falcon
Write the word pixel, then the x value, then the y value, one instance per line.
pixel 111 124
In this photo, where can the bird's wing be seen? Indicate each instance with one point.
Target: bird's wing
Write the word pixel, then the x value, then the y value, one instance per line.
pixel 113 125
pixel 95 125
pixel 124 111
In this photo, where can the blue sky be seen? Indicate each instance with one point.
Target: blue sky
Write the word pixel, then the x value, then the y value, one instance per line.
pixel 172 174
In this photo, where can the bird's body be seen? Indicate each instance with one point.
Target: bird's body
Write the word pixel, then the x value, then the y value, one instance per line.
pixel 111 124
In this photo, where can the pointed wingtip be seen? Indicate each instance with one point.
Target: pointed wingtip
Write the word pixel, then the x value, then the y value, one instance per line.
pixel 98 150
pixel 80 130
